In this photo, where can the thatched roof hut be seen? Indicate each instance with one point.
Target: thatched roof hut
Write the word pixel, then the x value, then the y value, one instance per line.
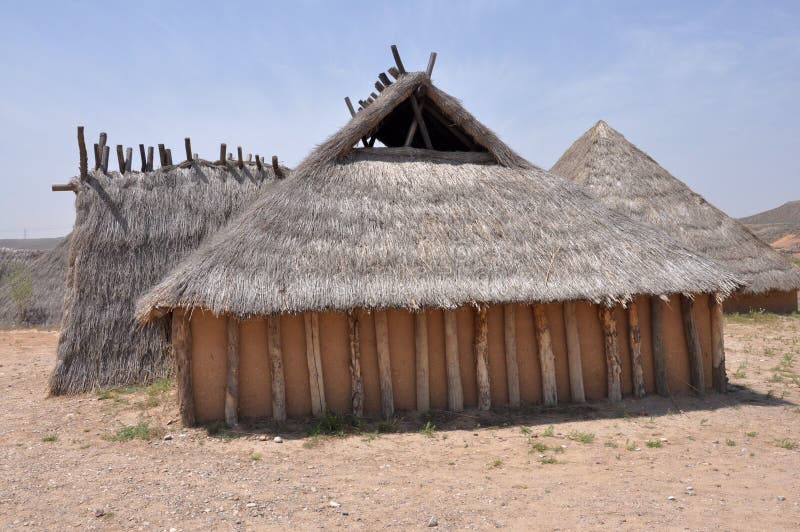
pixel 446 216
pixel 130 229
pixel 629 181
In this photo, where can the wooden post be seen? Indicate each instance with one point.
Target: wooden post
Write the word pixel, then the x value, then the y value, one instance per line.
pixel 222 149
pixel 232 383
pixel 635 339
pixel 431 62
pixel 394 72
pixel 510 340
pixel 276 167
pixel 421 122
pixel 84 160
pixel 182 349
pixel 547 359
pixel 128 160
pixel 421 351
pixel 455 392
pixel 120 159
pixel 162 155
pixel 397 60
pixel 611 346
pixel 150 156
pixel 258 162
pixel 384 79
pixel 481 352
pixel 97 156
pixel 659 352
pixel 315 377
pixel 101 144
pixel 187 144
pixel 169 156
pixel 384 363
pixel 574 353
pixel 276 368
pixel 104 159
pixel 693 345
pixel 718 376
pixel 349 106
pixel 379 86
pixel 239 157
pixel 143 157
pixel 356 381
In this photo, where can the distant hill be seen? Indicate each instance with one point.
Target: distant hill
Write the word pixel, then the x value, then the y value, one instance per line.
pixel 30 243
pixel 779 227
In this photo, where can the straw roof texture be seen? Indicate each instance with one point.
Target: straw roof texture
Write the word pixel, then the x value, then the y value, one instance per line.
pixel 411 228
pixel 629 181
pixel 47 272
pixel 129 231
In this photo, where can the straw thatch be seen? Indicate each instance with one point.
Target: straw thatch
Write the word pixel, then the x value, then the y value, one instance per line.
pixel 410 228
pixel 129 231
pixel 46 271
pixel 627 180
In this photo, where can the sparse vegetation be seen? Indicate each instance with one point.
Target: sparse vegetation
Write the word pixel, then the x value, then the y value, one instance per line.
pixel 729 442
pixel 655 444
pixel 752 434
pixel 428 430
pixel 548 460
pixel 496 464
pixel 50 438
pixel 538 446
pixel 787 444
pixel 140 431
pixel 549 431
pixel 630 445
pixel 255 457
pixel 583 437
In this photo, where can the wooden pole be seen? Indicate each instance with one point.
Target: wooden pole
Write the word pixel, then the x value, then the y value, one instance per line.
pixel 128 160
pixel 150 157
pixel 143 157
pixel 187 144
pixel 104 160
pixel 397 60
pixel 97 156
pixel 169 156
pixel 431 62
pixel 693 345
pixel 455 392
pixel 379 86
pixel 162 155
pixel 239 157
pixel 315 377
pixel 120 159
pixel 547 359
pixel 421 122
pixel 718 375
pixel 276 167
pixel 659 352
pixel 422 360
pixel 259 165
pixel 349 106
pixel 356 381
pixel 101 144
pixel 635 339
pixel 182 349
pixel 276 368
pixel 232 382
pixel 394 72
pixel 481 351
pixel 384 79
pixel 384 362
pixel 222 149
pixel 84 160
pixel 574 353
pixel 611 345
pixel 510 339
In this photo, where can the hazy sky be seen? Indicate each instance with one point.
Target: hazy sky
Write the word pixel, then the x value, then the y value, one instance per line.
pixel 711 90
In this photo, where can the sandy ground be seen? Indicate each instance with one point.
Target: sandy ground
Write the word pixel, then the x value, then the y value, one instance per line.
pixel 719 462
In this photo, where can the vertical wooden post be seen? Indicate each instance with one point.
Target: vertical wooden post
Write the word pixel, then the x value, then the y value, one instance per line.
pixel 611 346
pixel 356 381
pixel 143 157
pixel 276 368
pixel 635 339
pixel 659 352
pixel 718 376
pixel 128 160
pixel 693 345
pixel 547 360
pixel 83 158
pixel 481 350
pixel 455 393
pixel 232 383
pixel 150 158
pixel 574 353
pixel 384 362
pixel 182 348
pixel 421 351
pixel 510 340
pixel 315 377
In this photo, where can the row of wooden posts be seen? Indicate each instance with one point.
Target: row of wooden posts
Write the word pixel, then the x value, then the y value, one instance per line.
pixel 182 338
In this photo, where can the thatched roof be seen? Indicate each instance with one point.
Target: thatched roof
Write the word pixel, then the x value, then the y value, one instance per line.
pixel 627 180
pixel 405 227
pixel 129 231
pixel 46 271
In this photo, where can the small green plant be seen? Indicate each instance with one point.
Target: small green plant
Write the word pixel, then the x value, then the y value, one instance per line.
pixel 752 434
pixel 255 457
pixel 740 371
pixel 525 430
pixel 787 444
pixel 389 425
pixel 654 444
pixel 428 430
pixel 729 442
pixel 496 464
pixel 548 460
pixel 549 431
pixel 50 438
pixel 336 425
pixel 583 437
pixel 140 431
pixel 630 445
pixel 610 444
pixel 538 446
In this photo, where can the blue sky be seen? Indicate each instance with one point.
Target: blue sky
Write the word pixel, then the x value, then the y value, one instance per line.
pixel 709 89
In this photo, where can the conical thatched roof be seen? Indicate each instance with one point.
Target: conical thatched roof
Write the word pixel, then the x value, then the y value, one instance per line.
pixel 130 230
pixel 46 271
pixel 627 180
pixel 405 227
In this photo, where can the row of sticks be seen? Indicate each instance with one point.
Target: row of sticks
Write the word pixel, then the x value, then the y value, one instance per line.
pixel 125 158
